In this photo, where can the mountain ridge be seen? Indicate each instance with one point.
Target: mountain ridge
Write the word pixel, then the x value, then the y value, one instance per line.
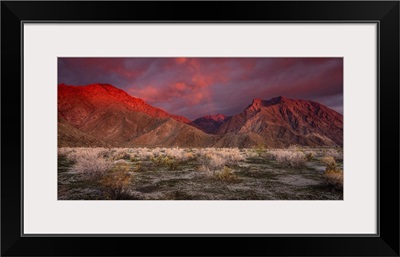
pixel 101 114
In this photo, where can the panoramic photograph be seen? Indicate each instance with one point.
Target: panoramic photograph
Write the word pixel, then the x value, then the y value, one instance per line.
pixel 200 128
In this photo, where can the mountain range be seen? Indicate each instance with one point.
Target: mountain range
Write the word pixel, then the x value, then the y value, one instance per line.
pixel 103 115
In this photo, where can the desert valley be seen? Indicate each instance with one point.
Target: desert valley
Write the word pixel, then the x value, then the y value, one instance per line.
pixel 116 146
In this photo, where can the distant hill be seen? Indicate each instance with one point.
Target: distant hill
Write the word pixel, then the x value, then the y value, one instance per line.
pixel 211 123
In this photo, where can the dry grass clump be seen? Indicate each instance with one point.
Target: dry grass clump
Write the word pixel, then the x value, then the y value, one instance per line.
pixel 226 174
pixel 172 163
pixel 289 158
pixel 211 162
pixel 116 182
pixel 167 161
pixel 334 179
pixel 333 175
pixel 329 161
pixel 216 162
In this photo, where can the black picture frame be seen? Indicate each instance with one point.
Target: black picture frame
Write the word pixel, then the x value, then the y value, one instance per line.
pixel 384 243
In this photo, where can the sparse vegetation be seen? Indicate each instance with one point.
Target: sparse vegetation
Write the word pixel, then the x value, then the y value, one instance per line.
pixel 200 173
pixel 335 154
pixel 334 178
pixel 290 158
pixel 333 174
pixel 90 163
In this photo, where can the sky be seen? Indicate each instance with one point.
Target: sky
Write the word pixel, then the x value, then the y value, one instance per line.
pixel 195 87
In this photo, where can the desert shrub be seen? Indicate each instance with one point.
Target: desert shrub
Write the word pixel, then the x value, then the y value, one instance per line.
pixel 172 163
pixel 91 163
pixel 210 161
pixel 226 174
pixel 329 161
pixel 169 162
pixel 216 162
pixel 334 178
pixel 289 158
pixel 116 182
pixel 232 155
pixel 158 161
pixel 178 154
pixel 217 158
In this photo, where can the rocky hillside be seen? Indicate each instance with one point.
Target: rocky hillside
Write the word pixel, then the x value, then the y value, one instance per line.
pixel 113 117
pixel 281 122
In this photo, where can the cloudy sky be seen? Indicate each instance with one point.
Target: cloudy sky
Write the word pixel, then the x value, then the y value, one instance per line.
pixel 194 87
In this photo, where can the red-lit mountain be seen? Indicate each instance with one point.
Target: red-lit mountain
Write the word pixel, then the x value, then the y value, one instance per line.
pixel 100 114
pixel 104 96
pixel 211 123
pixel 280 122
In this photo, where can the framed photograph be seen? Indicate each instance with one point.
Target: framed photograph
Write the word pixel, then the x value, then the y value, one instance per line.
pixel 273 126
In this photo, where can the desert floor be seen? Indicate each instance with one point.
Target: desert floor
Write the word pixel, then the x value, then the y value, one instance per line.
pixel 295 173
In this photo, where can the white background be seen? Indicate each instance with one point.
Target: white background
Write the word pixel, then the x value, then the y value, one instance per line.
pixel 43 43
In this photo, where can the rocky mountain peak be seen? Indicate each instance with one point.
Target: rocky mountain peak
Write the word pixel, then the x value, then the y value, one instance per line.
pixel 216 117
